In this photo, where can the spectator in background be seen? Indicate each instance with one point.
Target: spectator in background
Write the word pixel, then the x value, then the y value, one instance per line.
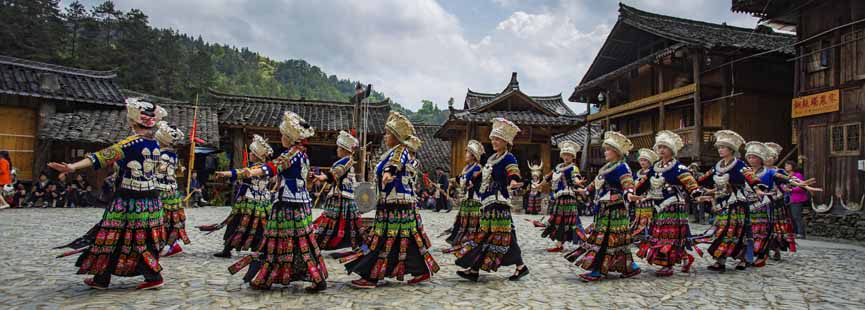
pixel 80 194
pixel 441 190
pixel 61 189
pixel 5 177
pixel 197 191
pixel 37 192
pixel 798 199
pixel 106 194
pixel 698 209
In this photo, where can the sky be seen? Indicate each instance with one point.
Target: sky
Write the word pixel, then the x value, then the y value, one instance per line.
pixel 424 49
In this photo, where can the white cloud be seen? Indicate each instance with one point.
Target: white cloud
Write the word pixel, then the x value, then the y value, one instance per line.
pixel 414 50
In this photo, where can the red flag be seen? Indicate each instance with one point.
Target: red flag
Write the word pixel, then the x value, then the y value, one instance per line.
pixel 192 140
pixel 245 158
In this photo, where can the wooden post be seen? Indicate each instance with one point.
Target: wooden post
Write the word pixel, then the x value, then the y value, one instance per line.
pixel 587 146
pixel 238 145
pixel 546 158
pixel 661 112
pixel 698 106
pixel 43 147
pixel 725 91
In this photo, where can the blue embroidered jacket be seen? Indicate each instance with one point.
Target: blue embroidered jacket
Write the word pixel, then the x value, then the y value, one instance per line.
pixel 136 159
pixel 400 190
pixel 293 168
pixel 497 174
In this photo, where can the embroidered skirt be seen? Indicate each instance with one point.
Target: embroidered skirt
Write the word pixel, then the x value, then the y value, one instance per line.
pixel 607 247
pixel 245 225
pixel 564 223
pixel 534 203
pixel 289 252
pixel 339 226
pixel 761 226
pixel 669 235
pixel 783 237
pixel 642 218
pixel 729 226
pixel 495 244
pixel 127 240
pixel 396 246
pixel 175 218
pixel 467 222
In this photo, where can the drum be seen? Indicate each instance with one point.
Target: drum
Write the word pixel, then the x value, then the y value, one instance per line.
pixel 365 196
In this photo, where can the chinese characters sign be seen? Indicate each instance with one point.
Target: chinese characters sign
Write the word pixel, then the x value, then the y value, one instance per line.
pixel 824 102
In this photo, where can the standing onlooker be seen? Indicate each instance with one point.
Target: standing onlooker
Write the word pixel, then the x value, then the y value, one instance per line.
pixel 698 208
pixel 798 198
pixel 441 190
pixel 5 176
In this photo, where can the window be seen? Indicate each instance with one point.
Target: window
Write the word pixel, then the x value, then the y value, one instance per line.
pixel 845 139
pixel 633 126
pixel 818 56
pixel 77 153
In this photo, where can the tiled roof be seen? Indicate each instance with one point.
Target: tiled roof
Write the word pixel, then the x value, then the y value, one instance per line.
pixel 705 34
pixel 518 117
pixel 151 98
pixel 37 79
pixel 555 104
pixel 434 152
pixel 109 126
pixel 767 9
pixel 635 27
pixel 254 111
pixel 577 135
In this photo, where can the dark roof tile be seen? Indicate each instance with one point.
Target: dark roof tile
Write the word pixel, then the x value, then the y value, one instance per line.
pixel 254 111
pixel 26 78
pixel 434 152
pixel 706 34
pixel 518 117
pixel 577 135
pixel 109 126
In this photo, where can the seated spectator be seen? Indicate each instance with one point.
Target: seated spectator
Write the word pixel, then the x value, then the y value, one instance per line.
pixel 19 196
pixel 37 192
pixel 81 192
pixel 197 190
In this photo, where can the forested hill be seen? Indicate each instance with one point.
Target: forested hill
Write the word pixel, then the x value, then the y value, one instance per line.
pixel 162 62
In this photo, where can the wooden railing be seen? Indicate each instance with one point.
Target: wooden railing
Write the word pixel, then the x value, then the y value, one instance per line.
pixel 642 140
pixel 643 102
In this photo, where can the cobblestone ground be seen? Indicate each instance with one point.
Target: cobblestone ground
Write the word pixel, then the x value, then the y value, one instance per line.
pixel 821 275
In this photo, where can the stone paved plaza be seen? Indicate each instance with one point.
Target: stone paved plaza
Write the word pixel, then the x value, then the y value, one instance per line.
pixel 821 275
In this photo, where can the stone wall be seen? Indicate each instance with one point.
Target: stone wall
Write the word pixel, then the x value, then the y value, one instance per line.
pixel 839 225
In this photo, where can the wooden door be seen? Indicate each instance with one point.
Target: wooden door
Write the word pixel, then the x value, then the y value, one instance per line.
pixel 816 150
pixel 18 136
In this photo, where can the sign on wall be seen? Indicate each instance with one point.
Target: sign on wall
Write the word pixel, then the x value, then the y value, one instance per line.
pixel 824 102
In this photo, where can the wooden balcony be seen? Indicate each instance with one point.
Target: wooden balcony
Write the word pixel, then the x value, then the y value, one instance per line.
pixel 707 151
pixel 642 140
pixel 707 155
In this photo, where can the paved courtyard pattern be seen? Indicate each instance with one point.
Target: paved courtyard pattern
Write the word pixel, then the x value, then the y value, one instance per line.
pixel 822 275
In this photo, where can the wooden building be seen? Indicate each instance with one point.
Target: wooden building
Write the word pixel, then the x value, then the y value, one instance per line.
pixel 241 116
pixel 539 117
pixel 657 72
pixel 74 134
pixel 31 92
pixel 829 89
pixel 434 152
